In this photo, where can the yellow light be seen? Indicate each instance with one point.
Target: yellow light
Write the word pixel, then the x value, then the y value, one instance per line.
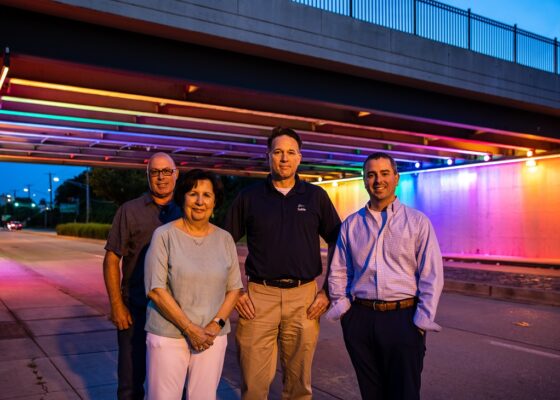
pixel 335 184
pixel 3 75
pixel 152 99
pixel 531 163
pixel 530 153
pixel 121 111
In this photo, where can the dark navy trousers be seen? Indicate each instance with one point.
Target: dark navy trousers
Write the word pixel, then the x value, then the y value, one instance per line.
pixel 387 352
pixel 132 354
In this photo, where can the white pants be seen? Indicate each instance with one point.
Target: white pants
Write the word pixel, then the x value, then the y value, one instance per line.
pixel 170 365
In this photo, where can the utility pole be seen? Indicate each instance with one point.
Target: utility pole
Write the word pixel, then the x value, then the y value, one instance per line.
pixel 87 195
pixel 50 191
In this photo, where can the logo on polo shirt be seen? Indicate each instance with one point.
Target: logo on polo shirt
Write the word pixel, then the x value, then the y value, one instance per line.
pixel 301 207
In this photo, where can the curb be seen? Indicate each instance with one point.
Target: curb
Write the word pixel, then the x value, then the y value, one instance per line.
pixel 543 297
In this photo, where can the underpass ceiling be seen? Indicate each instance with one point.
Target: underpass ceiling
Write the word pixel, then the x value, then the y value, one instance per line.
pixel 67 113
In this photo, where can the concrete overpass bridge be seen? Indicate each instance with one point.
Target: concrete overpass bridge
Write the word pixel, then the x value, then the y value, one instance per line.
pixel 110 83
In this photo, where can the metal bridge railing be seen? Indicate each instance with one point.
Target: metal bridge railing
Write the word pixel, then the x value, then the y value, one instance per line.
pixel 447 24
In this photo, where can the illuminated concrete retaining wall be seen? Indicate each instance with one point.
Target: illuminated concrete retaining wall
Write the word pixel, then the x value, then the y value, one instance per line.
pixel 499 210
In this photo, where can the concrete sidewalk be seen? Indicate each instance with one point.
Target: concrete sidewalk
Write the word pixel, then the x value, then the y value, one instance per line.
pixel 56 341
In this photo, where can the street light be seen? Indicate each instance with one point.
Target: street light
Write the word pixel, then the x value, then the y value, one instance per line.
pixel 51 180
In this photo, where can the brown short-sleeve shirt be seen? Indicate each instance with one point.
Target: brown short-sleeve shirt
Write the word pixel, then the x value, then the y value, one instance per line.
pixel 130 236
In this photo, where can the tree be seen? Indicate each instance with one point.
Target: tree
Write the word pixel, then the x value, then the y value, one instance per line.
pixel 118 185
pixel 232 186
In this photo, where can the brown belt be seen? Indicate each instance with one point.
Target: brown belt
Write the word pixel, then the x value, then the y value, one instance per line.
pixel 380 305
pixel 280 283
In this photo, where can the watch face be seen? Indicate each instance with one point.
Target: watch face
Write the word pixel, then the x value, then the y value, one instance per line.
pixel 220 322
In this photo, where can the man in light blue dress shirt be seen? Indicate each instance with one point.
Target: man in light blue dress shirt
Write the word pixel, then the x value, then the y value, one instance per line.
pixel 385 281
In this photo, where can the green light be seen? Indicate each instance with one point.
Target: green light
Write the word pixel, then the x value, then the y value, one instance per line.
pixel 109 122
pixel 333 167
pixel 16 204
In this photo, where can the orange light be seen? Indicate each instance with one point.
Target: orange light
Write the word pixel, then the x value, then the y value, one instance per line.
pixel 192 88
pixel 363 114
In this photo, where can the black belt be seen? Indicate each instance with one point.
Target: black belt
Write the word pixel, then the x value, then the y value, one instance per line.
pixel 380 305
pixel 280 283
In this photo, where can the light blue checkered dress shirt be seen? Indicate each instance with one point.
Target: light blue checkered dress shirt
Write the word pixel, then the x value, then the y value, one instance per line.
pixel 399 261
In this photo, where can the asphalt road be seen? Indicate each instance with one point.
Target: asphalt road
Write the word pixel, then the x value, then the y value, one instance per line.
pixel 488 349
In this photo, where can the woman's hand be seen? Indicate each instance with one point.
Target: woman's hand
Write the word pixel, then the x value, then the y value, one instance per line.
pixel 199 338
pixel 212 330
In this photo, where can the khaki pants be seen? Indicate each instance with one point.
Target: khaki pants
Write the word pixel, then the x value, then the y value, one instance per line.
pixel 280 324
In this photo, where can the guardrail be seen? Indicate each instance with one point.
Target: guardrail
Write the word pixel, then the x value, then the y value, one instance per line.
pixel 454 26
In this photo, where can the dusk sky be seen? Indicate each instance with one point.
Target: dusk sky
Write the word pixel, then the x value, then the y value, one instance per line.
pixel 541 17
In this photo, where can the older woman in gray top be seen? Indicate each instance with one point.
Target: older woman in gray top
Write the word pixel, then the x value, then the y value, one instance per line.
pixel 192 279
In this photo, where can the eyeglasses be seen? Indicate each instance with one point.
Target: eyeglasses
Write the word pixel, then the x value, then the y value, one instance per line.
pixel 165 172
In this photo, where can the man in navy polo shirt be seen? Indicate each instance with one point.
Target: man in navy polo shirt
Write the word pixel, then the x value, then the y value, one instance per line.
pixel 283 219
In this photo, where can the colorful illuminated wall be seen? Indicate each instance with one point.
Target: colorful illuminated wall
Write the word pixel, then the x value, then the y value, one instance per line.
pixel 499 210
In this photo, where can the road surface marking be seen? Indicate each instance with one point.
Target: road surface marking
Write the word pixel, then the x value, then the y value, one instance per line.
pixel 525 349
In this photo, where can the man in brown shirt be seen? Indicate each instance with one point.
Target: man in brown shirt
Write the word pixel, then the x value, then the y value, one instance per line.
pixel 128 241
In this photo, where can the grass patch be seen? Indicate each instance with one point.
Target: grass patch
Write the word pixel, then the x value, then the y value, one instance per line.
pixel 91 230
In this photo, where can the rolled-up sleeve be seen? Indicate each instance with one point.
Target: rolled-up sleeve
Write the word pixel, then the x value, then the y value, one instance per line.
pixel 156 265
pixel 430 281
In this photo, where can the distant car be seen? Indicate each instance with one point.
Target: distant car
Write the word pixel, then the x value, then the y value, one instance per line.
pixel 14 226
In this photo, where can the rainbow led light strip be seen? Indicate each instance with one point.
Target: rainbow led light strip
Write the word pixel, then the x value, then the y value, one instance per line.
pixel 462 166
pixel 160 100
pixel 83 107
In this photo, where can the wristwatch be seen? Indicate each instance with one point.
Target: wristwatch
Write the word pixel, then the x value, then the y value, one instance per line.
pixel 220 322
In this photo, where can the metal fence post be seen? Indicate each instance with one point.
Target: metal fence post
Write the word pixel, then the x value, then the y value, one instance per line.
pixel 414 16
pixel 555 55
pixel 351 8
pixel 469 29
pixel 515 43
